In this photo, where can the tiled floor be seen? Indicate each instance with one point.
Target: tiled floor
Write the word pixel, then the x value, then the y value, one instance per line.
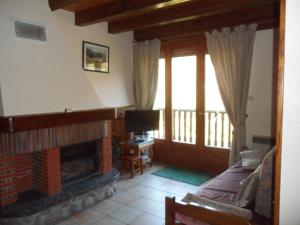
pixel 139 201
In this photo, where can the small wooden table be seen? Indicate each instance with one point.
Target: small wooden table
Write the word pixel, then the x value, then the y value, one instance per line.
pixel 134 154
pixel 139 147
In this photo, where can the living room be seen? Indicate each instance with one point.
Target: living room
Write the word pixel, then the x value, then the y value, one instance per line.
pixel 53 99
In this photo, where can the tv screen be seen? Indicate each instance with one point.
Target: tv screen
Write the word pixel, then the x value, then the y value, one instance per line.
pixel 141 120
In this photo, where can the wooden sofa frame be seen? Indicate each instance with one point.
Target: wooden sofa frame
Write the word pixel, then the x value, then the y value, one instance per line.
pixel 209 215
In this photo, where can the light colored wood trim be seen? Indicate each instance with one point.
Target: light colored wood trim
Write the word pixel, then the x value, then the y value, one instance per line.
pixel 168 106
pixel 208 215
pixel 200 116
pixel 168 94
pixel 280 90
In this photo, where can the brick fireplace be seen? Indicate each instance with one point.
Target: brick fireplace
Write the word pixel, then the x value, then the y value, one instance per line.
pixel 79 160
pixel 34 157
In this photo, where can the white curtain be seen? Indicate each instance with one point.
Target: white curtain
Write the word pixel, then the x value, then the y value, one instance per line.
pixel 231 55
pixel 145 60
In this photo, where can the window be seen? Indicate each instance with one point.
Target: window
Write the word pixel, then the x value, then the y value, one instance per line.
pixel 218 128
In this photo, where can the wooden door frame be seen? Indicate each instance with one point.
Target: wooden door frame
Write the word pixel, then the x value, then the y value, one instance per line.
pixel 280 90
pixel 172 49
pixel 196 156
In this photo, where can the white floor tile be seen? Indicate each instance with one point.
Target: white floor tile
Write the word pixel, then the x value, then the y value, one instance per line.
pixel 141 178
pixel 107 207
pixel 67 222
pixel 144 204
pixel 108 221
pixel 87 217
pixel 147 219
pixel 158 210
pixel 124 185
pixel 170 188
pixel 140 190
pixel 152 182
pixel 125 198
pixel 126 214
pixel 158 195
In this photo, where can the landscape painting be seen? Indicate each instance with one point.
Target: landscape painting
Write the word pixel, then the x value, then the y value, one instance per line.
pixel 95 57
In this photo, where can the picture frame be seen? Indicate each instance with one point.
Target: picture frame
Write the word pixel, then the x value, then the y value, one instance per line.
pixel 95 57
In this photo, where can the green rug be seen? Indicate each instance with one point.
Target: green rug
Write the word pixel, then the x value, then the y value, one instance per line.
pixel 182 175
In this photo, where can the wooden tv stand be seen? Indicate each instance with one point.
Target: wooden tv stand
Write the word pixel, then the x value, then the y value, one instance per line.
pixel 139 146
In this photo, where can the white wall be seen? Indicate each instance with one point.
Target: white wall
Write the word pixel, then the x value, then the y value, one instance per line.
pixel 38 77
pixel 290 166
pixel 259 109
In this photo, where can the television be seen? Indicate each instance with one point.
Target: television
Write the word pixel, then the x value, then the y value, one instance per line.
pixel 141 121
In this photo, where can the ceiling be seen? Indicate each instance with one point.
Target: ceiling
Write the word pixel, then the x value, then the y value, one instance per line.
pixel 170 19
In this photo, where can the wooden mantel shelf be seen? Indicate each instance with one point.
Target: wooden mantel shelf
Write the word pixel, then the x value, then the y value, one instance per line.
pixel 12 124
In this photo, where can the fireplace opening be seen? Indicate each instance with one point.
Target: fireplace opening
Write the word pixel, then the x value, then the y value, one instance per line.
pixel 79 160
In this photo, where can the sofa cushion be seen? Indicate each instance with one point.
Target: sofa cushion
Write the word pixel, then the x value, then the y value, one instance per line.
pixel 247 191
pixel 250 159
pixel 263 200
pixel 224 187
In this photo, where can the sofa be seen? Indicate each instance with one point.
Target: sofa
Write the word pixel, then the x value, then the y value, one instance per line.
pixel 239 196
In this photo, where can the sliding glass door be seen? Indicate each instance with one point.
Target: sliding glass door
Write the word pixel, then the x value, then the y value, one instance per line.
pixel 192 111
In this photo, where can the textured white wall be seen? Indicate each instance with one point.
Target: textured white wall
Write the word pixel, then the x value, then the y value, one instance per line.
pixel 259 109
pixel 46 77
pixel 290 166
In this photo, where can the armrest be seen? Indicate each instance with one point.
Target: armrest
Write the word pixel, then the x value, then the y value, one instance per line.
pixel 209 215
pixel 205 202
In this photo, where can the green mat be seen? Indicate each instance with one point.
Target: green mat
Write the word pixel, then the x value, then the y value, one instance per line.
pixel 182 175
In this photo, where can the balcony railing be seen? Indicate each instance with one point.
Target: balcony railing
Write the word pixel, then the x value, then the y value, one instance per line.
pixel 218 129
pixel 184 125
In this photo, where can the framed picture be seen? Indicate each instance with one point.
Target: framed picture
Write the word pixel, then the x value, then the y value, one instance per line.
pixel 95 57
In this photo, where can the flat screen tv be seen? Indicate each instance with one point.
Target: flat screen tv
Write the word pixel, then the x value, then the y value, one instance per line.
pixel 140 121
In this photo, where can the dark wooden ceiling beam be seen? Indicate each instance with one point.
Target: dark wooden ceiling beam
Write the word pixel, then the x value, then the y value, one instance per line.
pixel 60 4
pixel 121 9
pixel 77 5
pixel 267 24
pixel 182 12
pixel 265 16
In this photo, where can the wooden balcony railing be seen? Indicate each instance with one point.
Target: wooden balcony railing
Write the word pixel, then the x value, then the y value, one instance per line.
pixel 218 129
pixel 184 125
